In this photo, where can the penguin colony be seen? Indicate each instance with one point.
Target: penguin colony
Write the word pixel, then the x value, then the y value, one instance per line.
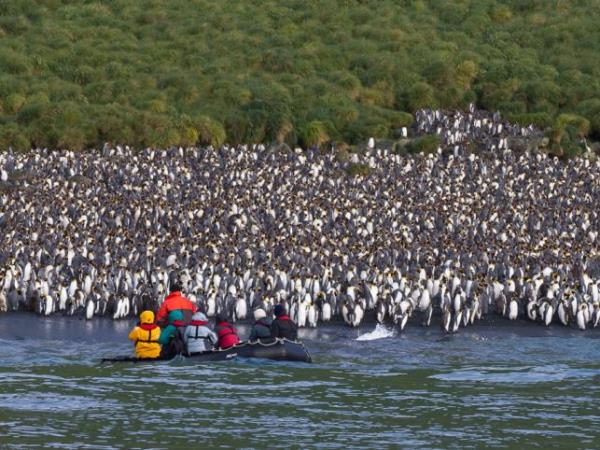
pixel 453 234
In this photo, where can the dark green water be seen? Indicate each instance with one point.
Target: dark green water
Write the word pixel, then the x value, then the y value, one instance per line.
pixel 494 385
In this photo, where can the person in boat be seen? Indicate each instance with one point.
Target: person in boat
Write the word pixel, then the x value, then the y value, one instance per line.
pixel 226 332
pixel 197 336
pixel 145 335
pixel 283 326
pixel 171 337
pixel 262 326
pixel 175 301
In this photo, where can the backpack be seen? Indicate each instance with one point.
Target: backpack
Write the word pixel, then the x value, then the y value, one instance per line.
pixel 176 345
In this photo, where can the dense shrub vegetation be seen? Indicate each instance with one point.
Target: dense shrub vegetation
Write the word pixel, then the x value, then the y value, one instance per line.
pixel 424 144
pixel 358 169
pixel 157 72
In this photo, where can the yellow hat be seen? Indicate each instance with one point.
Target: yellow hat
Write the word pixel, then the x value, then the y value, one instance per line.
pixel 147 317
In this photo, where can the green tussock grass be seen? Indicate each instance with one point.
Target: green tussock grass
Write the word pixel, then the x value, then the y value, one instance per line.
pixel 185 72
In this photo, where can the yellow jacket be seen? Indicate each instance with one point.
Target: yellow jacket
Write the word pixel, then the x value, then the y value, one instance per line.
pixel 146 337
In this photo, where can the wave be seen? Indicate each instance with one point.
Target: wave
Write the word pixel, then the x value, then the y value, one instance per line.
pixel 380 332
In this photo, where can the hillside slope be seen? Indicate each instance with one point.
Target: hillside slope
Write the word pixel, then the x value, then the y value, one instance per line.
pixel 178 72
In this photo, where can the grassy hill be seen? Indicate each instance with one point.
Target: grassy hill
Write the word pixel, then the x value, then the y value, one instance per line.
pixel 157 72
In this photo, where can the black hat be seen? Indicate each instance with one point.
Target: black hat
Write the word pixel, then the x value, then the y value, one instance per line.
pixel 175 286
pixel 279 310
pixel 221 317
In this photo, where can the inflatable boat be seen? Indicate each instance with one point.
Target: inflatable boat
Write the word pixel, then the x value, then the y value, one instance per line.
pixel 279 350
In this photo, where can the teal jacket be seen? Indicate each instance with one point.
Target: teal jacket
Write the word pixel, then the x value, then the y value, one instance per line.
pixel 175 320
pixel 261 329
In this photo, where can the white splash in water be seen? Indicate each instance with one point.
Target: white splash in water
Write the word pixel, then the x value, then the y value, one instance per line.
pixel 380 332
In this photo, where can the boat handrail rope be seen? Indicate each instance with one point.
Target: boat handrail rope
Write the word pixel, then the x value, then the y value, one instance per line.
pixel 274 342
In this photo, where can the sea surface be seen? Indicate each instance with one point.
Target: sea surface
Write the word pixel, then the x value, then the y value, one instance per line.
pixel 498 384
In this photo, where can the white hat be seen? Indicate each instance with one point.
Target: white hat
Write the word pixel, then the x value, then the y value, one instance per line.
pixel 259 313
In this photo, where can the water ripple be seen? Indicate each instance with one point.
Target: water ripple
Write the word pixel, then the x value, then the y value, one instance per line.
pixel 488 388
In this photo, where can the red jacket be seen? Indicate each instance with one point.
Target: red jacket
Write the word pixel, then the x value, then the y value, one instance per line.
pixel 228 337
pixel 175 301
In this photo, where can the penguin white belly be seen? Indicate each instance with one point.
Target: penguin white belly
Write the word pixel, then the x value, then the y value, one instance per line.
pixel 312 316
pixel 326 312
pixel 595 294
pixel 456 303
pixel 294 312
pixel 548 313
pixel 574 306
pixel 87 285
pixel 446 319
pixel 49 306
pixel 457 320
pixel 302 315
pixel 346 314
pixel 596 317
pixel 358 315
pixel 118 310
pixel 476 311
pixel 89 309
pixel 498 288
pixel 587 315
pixel 72 288
pixel 433 288
pixel 403 321
pixel 466 316
pixel 562 314
pixel 425 300
pixel 581 322
pixel 241 309
pixel 126 307
pixel 211 307
pixel 405 306
pixel 513 310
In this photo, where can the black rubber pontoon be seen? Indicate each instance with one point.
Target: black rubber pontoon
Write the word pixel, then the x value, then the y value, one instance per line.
pixel 279 350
